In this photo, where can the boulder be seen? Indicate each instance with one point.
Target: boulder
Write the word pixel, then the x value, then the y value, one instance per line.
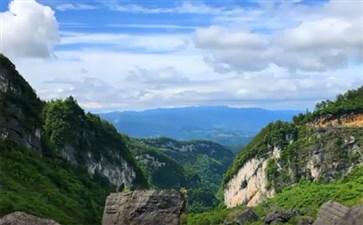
pixel 20 218
pixel 306 221
pixel 333 213
pixel 147 207
pixel 278 215
pixel 247 216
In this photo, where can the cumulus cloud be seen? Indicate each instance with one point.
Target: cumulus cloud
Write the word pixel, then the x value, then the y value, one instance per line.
pixel 28 29
pixel 327 37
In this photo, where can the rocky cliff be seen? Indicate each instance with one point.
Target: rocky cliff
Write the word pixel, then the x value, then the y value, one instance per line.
pixel 353 119
pixel 161 207
pixel 19 108
pixel 55 159
pixel 84 139
pixel 324 148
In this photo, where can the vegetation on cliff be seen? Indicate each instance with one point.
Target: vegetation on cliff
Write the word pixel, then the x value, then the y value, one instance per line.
pixel 349 102
pixel 195 165
pixel 66 123
pixel 49 187
pixel 306 196
pixel 46 182
pixel 296 139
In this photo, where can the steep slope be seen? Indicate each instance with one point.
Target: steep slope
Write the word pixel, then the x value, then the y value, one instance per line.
pixel 49 187
pixel 19 108
pixel 196 165
pixel 56 161
pixel 302 199
pixel 224 125
pixel 86 140
pixel 284 153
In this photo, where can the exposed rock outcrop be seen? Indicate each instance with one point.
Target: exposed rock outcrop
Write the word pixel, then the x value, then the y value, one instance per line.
pixel 278 215
pixel 249 185
pixel 354 119
pixel 19 108
pixel 247 216
pixel 317 154
pixel 20 218
pixel 148 207
pixel 333 213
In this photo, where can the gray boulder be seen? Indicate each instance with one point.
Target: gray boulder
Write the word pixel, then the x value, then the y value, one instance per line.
pixel 148 207
pixel 20 218
pixel 247 216
pixel 333 213
pixel 278 215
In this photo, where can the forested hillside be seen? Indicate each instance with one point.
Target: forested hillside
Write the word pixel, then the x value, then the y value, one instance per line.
pixel 56 161
pixel 196 166
pixel 297 165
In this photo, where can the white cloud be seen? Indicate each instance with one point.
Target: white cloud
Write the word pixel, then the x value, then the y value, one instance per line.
pixel 216 37
pixel 154 26
pixel 126 81
pixel 245 58
pixel 28 29
pixel 315 38
pixel 149 42
pixel 187 7
pixel 70 6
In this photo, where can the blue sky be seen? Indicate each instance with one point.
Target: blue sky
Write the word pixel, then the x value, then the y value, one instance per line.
pixel 134 55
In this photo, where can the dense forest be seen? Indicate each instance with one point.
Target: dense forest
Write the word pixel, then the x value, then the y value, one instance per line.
pixel 197 166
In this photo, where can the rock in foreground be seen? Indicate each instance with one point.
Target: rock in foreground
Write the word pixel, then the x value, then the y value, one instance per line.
pixel 20 218
pixel 151 207
pixel 333 213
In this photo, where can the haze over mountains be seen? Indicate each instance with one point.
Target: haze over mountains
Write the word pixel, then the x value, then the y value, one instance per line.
pixel 224 125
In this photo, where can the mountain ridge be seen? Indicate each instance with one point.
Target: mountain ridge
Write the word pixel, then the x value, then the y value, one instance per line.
pixel 221 124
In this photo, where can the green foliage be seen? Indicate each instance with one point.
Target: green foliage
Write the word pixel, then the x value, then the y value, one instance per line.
pixel 195 165
pixel 306 195
pixel 347 190
pixel 49 187
pixel 351 101
pixel 66 123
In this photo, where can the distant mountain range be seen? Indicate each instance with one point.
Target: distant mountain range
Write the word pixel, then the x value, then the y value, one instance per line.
pixel 224 125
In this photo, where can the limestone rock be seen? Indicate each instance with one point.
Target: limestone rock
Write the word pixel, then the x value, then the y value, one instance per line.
pixel 333 213
pixel 20 218
pixel 147 207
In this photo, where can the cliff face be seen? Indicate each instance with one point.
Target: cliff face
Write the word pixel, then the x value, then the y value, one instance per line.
pixel 20 109
pixel 86 140
pixel 303 152
pixel 354 119
pixel 163 207
pixel 322 145
pixel 62 126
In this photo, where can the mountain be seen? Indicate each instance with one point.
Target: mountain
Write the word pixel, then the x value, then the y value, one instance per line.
pixel 56 161
pixel 322 145
pixel 197 166
pixel 292 168
pixel 224 125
